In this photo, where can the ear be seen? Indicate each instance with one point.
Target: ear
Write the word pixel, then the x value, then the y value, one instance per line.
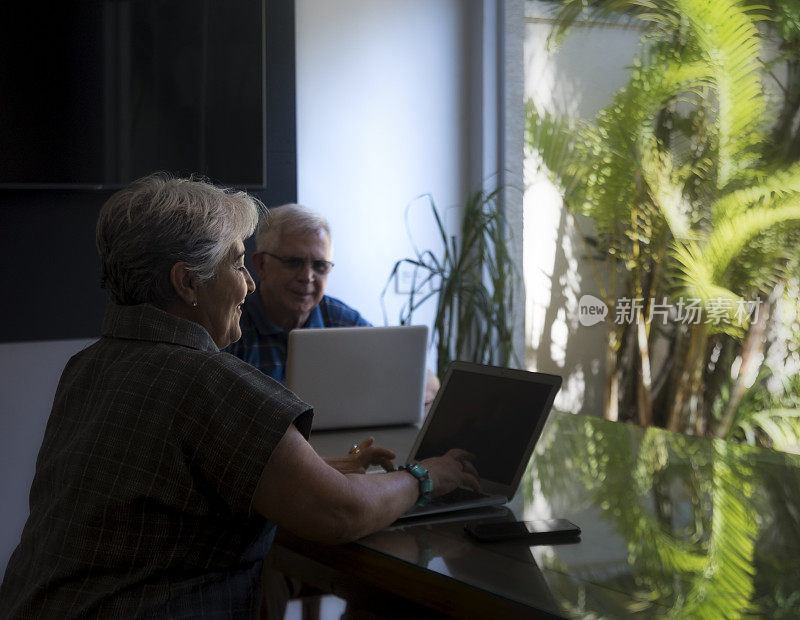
pixel 257 258
pixel 183 283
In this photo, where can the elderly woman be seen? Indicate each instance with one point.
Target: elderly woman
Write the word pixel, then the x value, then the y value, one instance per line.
pixel 166 464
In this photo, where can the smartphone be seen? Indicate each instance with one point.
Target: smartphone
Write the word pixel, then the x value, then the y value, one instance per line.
pixel 535 531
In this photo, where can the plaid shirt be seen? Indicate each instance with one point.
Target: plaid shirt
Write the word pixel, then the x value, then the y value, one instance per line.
pixel 263 344
pixel 141 501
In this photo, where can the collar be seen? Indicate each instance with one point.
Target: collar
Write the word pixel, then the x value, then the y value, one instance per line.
pixel 264 325
pixel 146 322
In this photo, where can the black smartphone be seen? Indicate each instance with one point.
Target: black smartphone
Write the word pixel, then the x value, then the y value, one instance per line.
pixel 535 531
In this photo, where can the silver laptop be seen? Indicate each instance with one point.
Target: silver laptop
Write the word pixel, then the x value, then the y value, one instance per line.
pixel 498 415
pixel 359 376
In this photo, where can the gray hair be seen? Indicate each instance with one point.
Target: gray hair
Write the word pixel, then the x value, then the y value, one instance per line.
pixel 159 220
pixel 288 217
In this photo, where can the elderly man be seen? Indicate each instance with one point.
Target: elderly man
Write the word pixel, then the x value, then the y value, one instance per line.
pixel 292 261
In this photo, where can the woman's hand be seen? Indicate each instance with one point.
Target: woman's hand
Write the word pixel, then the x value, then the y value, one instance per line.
pixel 362 456
pixel 454 469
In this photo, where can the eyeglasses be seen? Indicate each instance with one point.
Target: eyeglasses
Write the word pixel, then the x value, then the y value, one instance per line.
pixel 295 263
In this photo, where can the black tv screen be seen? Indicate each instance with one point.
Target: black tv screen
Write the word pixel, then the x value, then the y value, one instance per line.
pixel 96 93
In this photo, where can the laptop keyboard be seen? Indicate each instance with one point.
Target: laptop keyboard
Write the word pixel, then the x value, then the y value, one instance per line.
pixel 459 495
pixel 455 500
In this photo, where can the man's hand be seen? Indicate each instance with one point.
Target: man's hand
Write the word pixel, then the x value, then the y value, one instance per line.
pixel 431 387
pixel 364 455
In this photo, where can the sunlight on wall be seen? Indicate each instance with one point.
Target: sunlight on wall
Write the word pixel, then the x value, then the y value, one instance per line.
pixel 578 79
pixel 542 208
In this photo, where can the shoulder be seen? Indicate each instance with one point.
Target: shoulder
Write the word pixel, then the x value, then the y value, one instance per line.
pixel 182 379
pixel 336 313
pixel 234 395
pixel 221 375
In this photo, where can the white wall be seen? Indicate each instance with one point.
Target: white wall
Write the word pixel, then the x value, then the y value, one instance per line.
pixel 29 374
pixel 383 98
pixel 577 79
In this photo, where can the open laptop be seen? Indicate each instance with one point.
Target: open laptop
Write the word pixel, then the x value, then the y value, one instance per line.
pixel 359 376
pixel 498 415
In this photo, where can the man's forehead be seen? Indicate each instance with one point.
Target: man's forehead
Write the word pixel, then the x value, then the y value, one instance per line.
pixel 303 241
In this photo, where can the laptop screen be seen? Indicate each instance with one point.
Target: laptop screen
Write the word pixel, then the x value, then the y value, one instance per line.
pixel 496 414
pixel 359 376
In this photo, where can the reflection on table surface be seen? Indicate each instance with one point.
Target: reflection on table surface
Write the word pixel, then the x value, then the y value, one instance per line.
pixel 672 525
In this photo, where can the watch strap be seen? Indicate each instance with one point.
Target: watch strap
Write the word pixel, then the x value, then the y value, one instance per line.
pixel 425 483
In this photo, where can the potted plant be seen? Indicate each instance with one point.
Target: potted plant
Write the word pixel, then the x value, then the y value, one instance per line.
pixel 472 281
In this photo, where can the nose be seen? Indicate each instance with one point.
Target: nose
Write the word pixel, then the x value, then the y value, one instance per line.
pixel 306 273
pixel 251 286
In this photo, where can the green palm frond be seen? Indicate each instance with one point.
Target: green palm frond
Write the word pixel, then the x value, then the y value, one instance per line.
pixel 729 237
pixel 782 426
pixel 658 14
pixel 703 268
pixel 561 146
pixel 721 36
pixel 728 40
pixel 761 187
pixel 613 189
pixel 726 583
pixel 666 186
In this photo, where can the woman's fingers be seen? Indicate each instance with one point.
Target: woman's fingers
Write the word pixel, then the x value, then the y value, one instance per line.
pixel 381 453
pixel 379 456
pixel 470 481
pixel 367 454
pixel 460 455
pixel 468 467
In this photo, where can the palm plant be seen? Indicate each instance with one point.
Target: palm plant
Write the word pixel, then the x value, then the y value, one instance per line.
pixel 472 281
pixel 688 511
pixel 685 206
pixel 784 24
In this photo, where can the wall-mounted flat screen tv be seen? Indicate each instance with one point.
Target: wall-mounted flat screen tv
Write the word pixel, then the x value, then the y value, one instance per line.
pixel 96 93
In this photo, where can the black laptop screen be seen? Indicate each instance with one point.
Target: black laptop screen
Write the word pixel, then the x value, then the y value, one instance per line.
pixel 494 417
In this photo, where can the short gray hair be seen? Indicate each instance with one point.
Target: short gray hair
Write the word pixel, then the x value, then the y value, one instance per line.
pixel 159 220
pixel 288 217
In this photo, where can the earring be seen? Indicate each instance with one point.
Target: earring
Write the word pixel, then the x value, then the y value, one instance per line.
pixel 194 303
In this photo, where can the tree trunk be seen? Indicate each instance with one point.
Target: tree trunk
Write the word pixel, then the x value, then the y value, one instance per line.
pixel 611 408
pixel 690 379
pixel 751 356
pixel 644 382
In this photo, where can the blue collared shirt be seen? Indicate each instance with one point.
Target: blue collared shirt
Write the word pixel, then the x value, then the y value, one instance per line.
pixel 263 344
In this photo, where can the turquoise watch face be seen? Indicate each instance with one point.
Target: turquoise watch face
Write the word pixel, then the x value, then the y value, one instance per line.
pixel 426 485
pixel 418 471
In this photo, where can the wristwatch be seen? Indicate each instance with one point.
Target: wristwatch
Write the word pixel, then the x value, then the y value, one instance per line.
pixel 425 483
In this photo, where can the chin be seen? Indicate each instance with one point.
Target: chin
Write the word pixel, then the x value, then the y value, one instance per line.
pixel 233 337
pixel 300 310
